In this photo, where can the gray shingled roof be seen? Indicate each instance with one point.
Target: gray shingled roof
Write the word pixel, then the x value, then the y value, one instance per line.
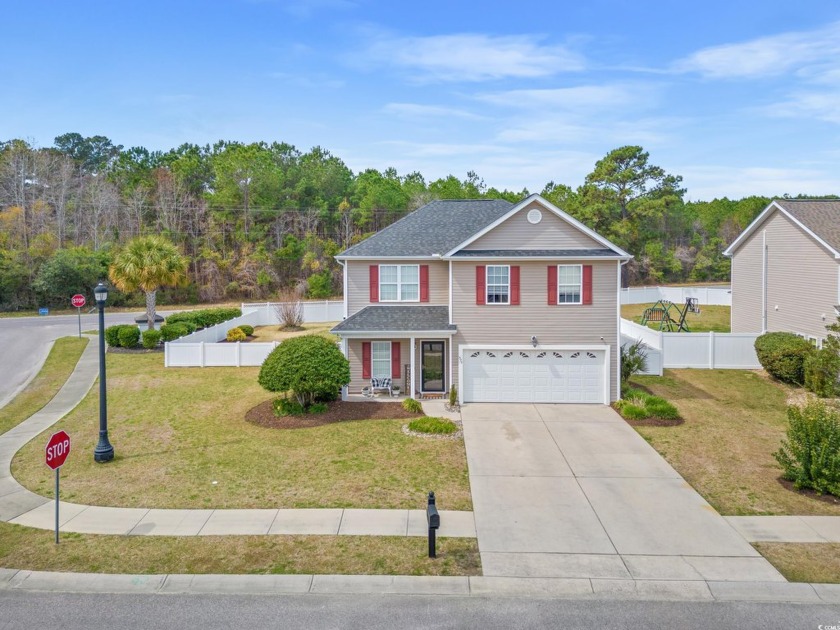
pixel 436 228
pixel 822 217
pixel 397 318
pixel 535 253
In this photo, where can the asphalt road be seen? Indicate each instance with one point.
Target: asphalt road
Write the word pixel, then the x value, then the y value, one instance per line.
pixel 25 344
pixel 46 611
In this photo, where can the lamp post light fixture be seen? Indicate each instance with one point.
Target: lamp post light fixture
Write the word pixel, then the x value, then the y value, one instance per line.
pixel 103 452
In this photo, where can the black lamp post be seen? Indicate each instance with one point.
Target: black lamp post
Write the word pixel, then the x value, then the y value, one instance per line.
pixel 103 452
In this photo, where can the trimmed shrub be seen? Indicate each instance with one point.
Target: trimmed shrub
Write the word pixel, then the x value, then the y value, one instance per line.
pixel 170 332
pixel 412 405
pixel 235 334
pixel 311 367
pixel 783 356
pixel 205 317
pixel 438 426
pixel 129 336
pixel 248 330
pixel 151 339
pixel 821 372
pixel 112 335
pixel 810 456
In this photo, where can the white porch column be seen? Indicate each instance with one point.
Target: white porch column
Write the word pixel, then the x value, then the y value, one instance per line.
pixel 413 370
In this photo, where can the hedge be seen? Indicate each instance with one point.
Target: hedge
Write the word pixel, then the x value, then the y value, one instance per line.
pixel 205 317
pixel 783 355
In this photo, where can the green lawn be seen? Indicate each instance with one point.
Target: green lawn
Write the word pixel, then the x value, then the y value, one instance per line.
pixel 804 562
pixel 711 318
pixel 33 549
pixel 734 421
pixel 60 363
pixel 181 441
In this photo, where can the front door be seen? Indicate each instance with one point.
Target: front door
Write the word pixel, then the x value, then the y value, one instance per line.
pixel 433 366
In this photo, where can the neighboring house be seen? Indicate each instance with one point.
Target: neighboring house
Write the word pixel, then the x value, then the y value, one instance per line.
pixel 786 269
pixel 508 302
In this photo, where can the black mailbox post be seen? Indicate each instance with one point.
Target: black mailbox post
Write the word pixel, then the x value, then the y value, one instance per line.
pixel 433 519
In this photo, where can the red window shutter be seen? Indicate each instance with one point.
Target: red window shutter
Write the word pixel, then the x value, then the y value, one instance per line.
pixel 366 359
pixel 514 285
pixel 395 359
pixel 374 283
pixel 587 284
pixel 552 285
pixel 424 283
pixel 480 285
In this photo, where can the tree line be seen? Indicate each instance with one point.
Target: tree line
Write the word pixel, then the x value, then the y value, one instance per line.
pixel 254 219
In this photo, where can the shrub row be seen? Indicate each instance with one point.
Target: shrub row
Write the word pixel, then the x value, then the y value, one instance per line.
pixel 205 317
pixel 122 336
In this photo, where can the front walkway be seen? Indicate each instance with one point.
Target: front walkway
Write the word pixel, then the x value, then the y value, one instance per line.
pixel 571 491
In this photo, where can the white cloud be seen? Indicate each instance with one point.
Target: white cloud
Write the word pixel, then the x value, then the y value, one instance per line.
pixel 767 56
pixel 815 105
pixel 584 97
pixel 415 110
pixel 472 57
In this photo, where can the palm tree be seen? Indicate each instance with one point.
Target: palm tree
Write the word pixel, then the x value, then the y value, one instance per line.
pixel 148 263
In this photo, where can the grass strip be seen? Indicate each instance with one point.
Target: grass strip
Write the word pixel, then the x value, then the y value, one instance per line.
pixel 33 549
pixel 60 363
pixel 804 562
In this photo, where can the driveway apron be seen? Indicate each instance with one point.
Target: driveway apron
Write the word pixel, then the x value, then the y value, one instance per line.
pixel 573 491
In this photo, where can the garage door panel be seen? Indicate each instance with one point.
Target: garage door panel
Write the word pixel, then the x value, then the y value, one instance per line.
pixel 533 376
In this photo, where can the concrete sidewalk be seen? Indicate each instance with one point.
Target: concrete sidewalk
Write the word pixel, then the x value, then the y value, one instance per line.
pixel 22 507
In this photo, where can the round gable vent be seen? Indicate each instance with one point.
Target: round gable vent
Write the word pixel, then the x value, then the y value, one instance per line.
pixel 534 216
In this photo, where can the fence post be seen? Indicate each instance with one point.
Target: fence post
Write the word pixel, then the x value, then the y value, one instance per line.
pixel 711 350
pixel 238 354
pixel 201 351
pixel 166 354
pixel 661 352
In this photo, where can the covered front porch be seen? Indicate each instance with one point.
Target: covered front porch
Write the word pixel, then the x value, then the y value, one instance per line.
pixel 405 350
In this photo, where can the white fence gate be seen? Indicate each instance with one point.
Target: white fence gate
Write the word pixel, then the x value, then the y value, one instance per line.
pixel 711 350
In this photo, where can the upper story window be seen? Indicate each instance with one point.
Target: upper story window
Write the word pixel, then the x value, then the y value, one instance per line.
pixel 569 284
pixel 399 283
pixel 498 284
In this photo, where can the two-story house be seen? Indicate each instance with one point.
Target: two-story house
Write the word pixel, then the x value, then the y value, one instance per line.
pixel 508 302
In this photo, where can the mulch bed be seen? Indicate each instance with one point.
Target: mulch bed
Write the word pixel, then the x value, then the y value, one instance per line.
pixel 337 411
pixel 822 498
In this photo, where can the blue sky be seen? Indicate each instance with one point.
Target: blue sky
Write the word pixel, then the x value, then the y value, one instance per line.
pixel 737 97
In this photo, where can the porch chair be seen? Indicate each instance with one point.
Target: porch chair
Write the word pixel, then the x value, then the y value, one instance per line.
pixel 381 384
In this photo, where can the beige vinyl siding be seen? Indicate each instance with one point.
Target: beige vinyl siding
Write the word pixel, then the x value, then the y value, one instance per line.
pixel 358 282
pixel 354 350
pixel 551 232
pixel 595 324
pixel 802 281
pixel 747 286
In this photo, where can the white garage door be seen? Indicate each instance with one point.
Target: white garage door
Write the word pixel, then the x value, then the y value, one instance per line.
pixel 545 376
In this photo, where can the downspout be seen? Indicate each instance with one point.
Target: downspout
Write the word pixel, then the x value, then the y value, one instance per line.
pixel 344 285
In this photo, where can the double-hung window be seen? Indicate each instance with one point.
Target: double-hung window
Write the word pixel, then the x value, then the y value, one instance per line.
pixel 498 284
pixel 399 283
pixel 380 359
pixel 569 284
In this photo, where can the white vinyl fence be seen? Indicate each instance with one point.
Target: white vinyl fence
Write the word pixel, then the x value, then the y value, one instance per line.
pixel 705 295
pixel 203 348
pixel 713 351
pixel 313 312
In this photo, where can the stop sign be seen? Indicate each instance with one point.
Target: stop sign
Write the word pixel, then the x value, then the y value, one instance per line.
pixel 58 448
pixel 78 300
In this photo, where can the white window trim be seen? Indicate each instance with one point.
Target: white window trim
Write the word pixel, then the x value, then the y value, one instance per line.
pixel 487 286
pixel 373 345
pixel 399 283
pixel 559 303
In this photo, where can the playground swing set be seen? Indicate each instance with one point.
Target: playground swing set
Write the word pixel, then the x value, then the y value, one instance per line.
pixel 661 312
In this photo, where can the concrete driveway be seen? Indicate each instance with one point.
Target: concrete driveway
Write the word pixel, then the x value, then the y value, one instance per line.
pixel 573 491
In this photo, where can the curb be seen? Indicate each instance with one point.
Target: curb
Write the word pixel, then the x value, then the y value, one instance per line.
pixel 475 586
